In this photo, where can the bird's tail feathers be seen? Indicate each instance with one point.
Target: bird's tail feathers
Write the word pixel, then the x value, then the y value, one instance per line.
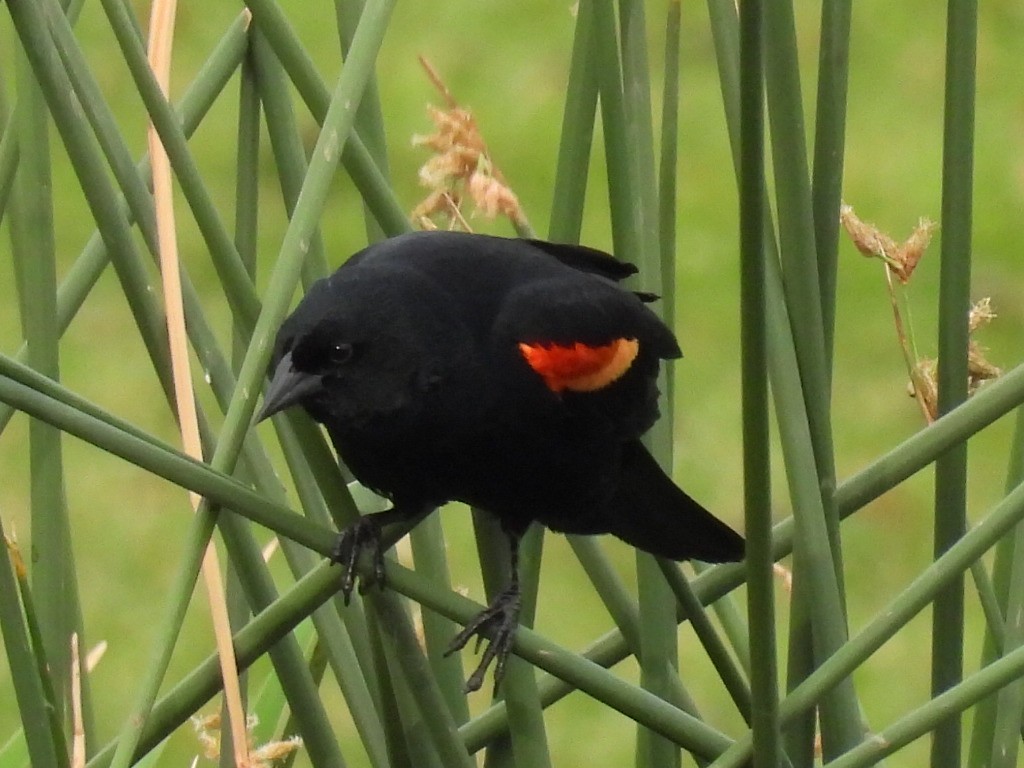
pixel 652 513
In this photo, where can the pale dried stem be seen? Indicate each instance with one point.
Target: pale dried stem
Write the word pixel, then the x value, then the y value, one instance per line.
pixel 159 52
pixel 95 655
pixel 438 82
pixel 77 726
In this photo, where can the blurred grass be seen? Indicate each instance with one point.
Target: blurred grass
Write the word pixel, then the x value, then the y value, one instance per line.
pixel 508 62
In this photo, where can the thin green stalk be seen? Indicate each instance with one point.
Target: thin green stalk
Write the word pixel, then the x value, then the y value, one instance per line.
pixel 577 135
pixel 8 138
pixel 40 737
pixel 734 627
pixel 434 732
pixel 622 196
pixel 42 666
pixel 33 240
pixel 8 159
pixel 638 152
pixel 76 416
pixel 270 705
pixel 31 620
pixel 829 145
pixel 801 732
pixel 618 601
pixel 626 614
pixel 416 671
pixel 1010 701
pixel 247 189
pixel 727 47
pixel 631 148
pixel 527 742
pixel 995 731
pixel 391 715
pixel 668 168
pixel 954 303
pixel 289 154
pixel 764 718
pixel 246 228
pixel 659 653
pixel 428 550
pixel 991 605
pixel 409 738
pixel 286 655
pixel 729 671
pixel 370 118
pixel 530 744
pixel 840 714
pixel 797 245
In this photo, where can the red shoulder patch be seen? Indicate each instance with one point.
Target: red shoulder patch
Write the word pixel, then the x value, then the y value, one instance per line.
pixel 579 367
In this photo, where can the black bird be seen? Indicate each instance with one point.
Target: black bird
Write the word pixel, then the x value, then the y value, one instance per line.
pixel 513 375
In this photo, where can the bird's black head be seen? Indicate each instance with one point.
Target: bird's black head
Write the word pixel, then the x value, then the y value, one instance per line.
pixel 356 347
pixel 306 366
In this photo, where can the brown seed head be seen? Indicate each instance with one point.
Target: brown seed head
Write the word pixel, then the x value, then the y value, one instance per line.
pixel 459 168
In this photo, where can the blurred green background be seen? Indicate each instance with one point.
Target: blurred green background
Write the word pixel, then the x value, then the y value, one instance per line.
pixel 507 61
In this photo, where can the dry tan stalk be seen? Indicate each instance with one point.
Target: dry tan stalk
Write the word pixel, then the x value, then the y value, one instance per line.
pixel 161 39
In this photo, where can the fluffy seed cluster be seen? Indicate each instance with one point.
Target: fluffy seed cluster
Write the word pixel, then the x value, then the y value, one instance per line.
pixel 459 168
pixel 208 732
pixel 901 259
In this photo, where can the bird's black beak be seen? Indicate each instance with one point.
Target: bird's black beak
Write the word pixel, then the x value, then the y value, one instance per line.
pixel 287 388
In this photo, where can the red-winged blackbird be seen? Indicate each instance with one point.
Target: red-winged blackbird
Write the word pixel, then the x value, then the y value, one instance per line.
pixel 513 375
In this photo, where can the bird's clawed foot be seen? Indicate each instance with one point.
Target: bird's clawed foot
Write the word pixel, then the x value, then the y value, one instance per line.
pixel 362 535
pixel 497 624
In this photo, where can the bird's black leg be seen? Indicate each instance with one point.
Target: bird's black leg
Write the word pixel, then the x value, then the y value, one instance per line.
pixel 497 624
pixel 363 534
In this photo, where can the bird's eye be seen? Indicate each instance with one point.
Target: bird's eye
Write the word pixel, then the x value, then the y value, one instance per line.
pixel 339 354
